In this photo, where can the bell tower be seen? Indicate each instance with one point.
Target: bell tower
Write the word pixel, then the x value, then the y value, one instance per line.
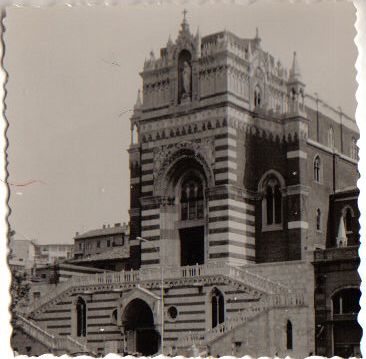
pixel 208 103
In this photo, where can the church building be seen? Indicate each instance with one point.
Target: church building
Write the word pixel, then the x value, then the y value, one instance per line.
pixel 242 189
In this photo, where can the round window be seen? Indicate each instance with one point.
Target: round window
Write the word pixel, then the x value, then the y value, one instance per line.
pixel 172 312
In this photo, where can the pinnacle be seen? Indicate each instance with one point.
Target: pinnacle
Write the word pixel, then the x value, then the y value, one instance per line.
pixel 185 25
pixel 295 73
pixel 138 100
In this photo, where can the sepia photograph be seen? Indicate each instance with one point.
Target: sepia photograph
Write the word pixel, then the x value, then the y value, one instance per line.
pixel 183 179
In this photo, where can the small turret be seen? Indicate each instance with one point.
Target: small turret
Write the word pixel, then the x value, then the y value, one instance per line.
pixel 185 25
pixel 295 89
pixel 257 39
pixel 342 237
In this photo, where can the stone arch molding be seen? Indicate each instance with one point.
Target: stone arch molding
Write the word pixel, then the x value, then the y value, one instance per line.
pixel 166 157
pixel 267 174
pixel 152 300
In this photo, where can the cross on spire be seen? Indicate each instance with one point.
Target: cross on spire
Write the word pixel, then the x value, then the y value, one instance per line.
pixel 184 22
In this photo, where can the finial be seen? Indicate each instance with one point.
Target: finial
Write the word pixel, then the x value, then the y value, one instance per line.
pixel 185 26
pixel 295 73
pixel 184 15
pixel 170 42
pixel 138 100
pixel 257 39
pixel 198 31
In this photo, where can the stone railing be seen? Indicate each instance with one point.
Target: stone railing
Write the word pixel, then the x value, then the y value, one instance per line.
pixel 52 342
pixel 190 339
pixel 254 280
pixel 196 272
pixel 105 278
pixel 233 322
pixel 214 269
pixel 350 252
pixel 272 301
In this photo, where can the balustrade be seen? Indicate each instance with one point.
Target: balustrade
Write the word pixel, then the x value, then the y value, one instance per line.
pixel 68 344
pixel 271 301
pixel 198 271
pixel 350 252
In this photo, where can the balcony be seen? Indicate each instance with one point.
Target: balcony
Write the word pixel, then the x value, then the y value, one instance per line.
pixel 334 254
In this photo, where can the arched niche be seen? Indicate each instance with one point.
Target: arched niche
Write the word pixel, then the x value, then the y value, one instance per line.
pixel 184 76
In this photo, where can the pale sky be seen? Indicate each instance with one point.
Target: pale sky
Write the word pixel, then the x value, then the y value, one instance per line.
pixel 72 71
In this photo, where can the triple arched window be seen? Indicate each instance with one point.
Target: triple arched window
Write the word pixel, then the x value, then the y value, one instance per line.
pixel 191 199
pixel 217 307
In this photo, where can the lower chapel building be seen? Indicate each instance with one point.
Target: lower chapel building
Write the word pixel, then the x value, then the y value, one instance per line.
pixel 243 218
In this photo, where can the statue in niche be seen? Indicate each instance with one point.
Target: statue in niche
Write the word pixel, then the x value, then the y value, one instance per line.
pixel 186 79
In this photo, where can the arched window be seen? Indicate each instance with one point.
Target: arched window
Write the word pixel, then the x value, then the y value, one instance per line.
pixel 331 137
pixel 217 307
pixel 269 204
pixel 191 199
pixel 317 169
pixel 346 301
pixel 134 134
pixel 289 334
pixel 347 216
pixel 354 149
pixel 293 94
pixel 114 317
pixel 257 97
pixel 318 220
pixel 80 317
pixel 272 202
pixel 346 330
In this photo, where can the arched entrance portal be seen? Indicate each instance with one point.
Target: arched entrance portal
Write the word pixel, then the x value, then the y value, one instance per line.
pixel 138 323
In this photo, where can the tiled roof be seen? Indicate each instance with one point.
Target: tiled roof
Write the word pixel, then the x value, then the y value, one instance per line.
pixel 107 231
pixel 112 253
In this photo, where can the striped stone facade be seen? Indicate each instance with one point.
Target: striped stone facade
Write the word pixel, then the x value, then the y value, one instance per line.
pixel 222 208
pixel 229 212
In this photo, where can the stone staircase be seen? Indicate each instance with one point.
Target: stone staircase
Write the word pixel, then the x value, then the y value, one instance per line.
pixel 200 340
pixel 274 294
pixel 55 344
pixel 87 281
pixel 197 273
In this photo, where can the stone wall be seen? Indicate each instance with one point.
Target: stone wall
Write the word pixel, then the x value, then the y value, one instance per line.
pixel 265 335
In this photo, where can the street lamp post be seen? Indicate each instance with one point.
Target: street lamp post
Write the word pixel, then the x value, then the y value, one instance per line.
pixel 162 297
